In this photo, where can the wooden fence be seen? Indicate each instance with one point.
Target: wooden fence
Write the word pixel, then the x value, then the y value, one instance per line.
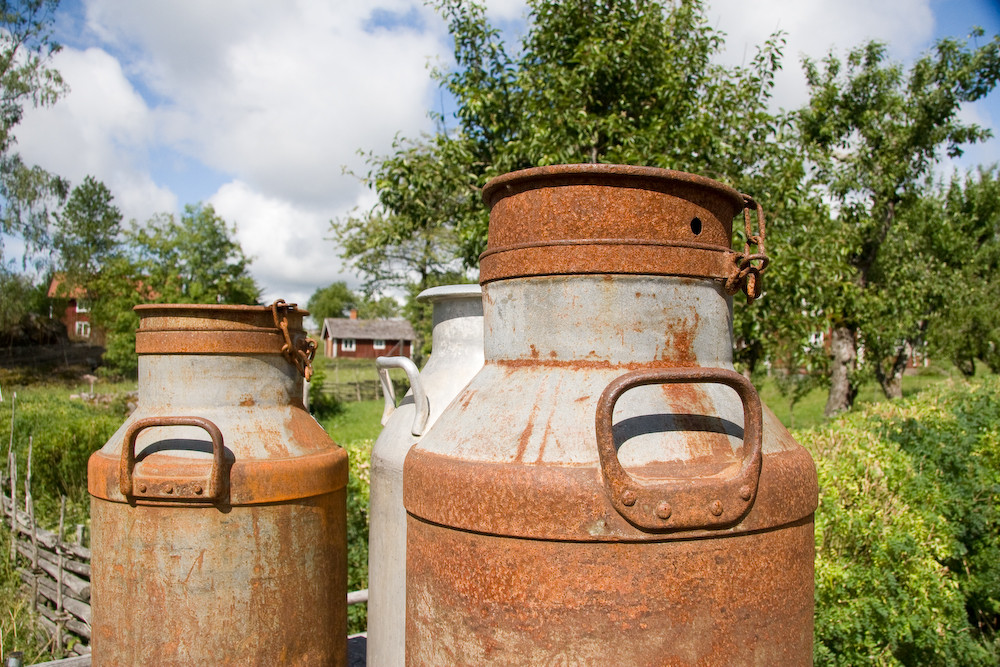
pixel 55 573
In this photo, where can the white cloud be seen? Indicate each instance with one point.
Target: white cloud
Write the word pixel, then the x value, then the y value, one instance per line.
pixel 291 255
pixel 813 28
pixel 101 127
pixel 285 100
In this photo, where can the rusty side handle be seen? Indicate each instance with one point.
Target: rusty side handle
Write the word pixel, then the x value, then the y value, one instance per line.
pixel 681 504
pixel 420 401
pixel 171 489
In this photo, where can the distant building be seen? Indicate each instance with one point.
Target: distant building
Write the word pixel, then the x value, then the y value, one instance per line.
pixel 366 339
pixel 76 315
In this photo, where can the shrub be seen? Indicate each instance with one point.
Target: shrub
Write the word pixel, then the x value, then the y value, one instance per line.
pixel 903 562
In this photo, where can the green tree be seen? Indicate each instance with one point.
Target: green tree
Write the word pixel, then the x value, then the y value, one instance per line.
pixel 410 234
pixel 194 259
pixel 873 134
pixel 27 194
pixel 337 300
pixel 88 233
pixel 630 82
pixel 334 300
pixel 963 227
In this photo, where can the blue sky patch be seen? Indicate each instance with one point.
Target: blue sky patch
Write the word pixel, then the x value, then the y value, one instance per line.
pixel 383 19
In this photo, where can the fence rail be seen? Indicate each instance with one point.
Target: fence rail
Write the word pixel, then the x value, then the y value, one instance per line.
pixel 55 573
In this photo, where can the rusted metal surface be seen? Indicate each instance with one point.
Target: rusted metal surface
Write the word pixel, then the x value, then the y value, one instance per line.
pixel 457 354
pixel 218 509
pixel 476 599
pixel 207 329
pixel 613 219
pixel 670 522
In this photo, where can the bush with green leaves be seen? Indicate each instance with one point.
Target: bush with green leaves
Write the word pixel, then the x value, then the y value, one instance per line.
pixel 908 530
pixel 358 486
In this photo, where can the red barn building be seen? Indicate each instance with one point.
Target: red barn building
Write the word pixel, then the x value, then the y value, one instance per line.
pixel 366 339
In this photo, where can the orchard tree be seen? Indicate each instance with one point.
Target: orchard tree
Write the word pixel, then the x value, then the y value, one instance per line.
pixel 873 133
pixel 624 82
pixel 963 228
pixel 410 235
pixel 194 259
pixel 27 194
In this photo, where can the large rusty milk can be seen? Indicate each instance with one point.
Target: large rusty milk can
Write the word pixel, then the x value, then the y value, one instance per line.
pixel 218 508
pixel 607 490
pixel 456 356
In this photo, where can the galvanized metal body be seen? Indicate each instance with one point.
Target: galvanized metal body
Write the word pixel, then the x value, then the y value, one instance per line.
pixel 456 356
pixel 607 489
pixel 218 508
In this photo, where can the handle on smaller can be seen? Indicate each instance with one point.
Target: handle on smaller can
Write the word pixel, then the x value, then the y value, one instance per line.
pixel 423 411
pixel 684 503
pixel 170 489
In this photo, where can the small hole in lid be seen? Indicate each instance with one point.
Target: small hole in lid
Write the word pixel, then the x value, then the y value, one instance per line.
pixel 696 226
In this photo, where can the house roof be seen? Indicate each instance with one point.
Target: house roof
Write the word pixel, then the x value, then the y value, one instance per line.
pixel 342 327
pixel 57 288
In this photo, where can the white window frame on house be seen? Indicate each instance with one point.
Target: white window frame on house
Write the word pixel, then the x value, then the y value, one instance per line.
pixel 348 344
pixel 82 306
pixel 379 344
pixel 83 329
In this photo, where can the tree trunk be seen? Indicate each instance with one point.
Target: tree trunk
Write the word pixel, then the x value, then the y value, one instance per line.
pixel 892 382
pixel 844 358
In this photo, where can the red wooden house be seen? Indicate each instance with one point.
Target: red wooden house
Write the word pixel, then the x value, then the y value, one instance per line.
pixel 76 315
pixel 366 339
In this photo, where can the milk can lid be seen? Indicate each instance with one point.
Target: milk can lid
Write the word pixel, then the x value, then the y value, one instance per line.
pixel 612 219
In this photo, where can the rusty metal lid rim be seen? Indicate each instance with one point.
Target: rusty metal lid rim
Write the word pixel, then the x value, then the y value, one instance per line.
pixel 203 341
pixel 210 307
pixel 586 173
pixel 653 243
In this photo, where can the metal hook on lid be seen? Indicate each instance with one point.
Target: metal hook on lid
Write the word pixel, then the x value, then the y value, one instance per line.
pixel 301 354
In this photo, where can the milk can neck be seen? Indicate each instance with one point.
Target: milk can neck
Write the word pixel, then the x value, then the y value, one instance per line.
pixel 609 319
pixel 458 325
pixel 223 380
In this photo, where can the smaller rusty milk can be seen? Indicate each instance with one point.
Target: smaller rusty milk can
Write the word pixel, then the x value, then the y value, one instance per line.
pixel 456 356
pixel 608 490
pixel 218 508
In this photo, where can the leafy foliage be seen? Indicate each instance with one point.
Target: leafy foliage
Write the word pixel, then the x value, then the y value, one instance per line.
pixel 322 404
pixel 873 134
pixel 337 300
pixel 26 50
pixel 962 225
pixel 907 531
pixel 88 233
pixel 191 260
pixel 63 433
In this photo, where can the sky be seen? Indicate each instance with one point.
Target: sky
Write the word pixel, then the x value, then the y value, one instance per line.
pixel 267 110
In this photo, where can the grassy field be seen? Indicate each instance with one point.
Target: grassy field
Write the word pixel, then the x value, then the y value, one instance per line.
pixel 807 412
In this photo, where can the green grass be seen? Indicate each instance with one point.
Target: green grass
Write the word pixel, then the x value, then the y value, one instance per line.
pixel 808 411
pixel 355 429
pixel 357 422
pixel 344 377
